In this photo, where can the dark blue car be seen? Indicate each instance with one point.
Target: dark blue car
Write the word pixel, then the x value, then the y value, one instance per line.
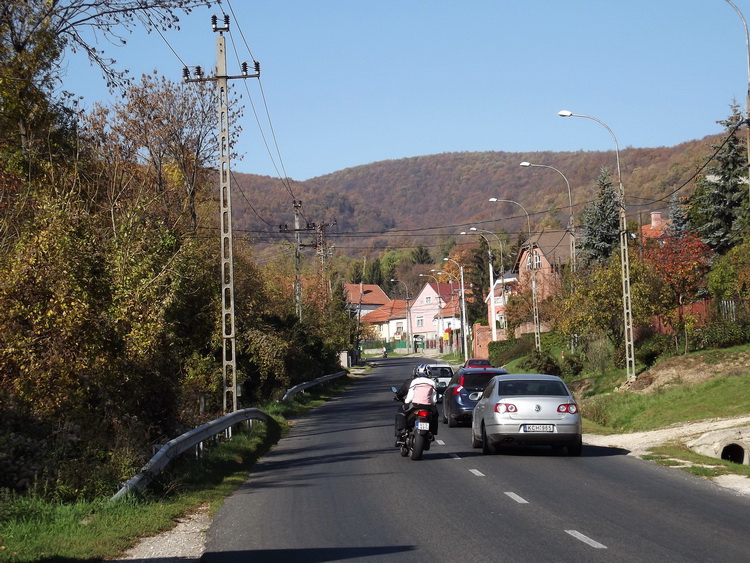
pixel 462 393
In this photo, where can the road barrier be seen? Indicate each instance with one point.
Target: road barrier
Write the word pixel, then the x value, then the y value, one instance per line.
pixel 197 436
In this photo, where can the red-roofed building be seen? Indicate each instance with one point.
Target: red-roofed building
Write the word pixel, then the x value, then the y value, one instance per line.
pixel 656 229
pixel 390 320
pixel 364 297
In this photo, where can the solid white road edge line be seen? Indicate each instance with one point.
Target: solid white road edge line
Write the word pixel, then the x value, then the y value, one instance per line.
pixel 585 539
pixel 517 498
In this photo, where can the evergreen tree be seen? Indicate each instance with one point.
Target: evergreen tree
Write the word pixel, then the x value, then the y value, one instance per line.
pixel 601 223
pixel 373 273
pixel 679 222
pixel 421 255
pixel 720 202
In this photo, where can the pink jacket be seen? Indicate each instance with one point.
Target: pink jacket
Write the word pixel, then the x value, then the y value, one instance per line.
pixel 422 391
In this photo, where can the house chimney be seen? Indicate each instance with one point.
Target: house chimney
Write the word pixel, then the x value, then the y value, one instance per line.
pixel 655 219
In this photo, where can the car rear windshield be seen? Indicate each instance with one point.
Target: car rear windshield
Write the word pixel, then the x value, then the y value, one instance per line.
pixel 477 380
pixel 441 372
pixel 531 387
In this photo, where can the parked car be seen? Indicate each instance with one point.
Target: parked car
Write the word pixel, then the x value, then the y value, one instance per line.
pixel 477 363
pixel 463 392
pixel 521 410
pixel 442 374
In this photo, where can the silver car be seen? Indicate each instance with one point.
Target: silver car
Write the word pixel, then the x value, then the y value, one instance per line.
pixel 525 410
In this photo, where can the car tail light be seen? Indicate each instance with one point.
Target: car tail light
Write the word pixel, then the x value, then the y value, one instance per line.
pixel 570 408
pixel 457 388
pixel 502 408
pixel 425 414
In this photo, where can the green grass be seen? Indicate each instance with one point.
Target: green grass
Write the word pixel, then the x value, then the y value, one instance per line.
pixel 700 465
pixel 34 530
pixel 632 412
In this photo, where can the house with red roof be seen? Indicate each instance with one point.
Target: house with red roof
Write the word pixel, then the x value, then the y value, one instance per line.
pixel 364 297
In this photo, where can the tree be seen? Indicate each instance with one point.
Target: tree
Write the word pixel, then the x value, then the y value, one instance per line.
pixel 679 220
pixel 719 206
pixel 601 225
pixel 421 255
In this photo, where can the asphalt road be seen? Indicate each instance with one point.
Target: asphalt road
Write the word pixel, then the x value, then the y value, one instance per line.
pixel 336 489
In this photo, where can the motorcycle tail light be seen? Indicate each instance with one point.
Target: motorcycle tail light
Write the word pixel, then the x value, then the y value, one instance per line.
pixel 425 414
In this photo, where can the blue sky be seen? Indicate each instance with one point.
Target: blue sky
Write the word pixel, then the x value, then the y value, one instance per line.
pixel 349 82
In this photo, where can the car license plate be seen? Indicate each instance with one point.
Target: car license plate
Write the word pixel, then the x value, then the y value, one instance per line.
pixel 422 425
pixel 539 428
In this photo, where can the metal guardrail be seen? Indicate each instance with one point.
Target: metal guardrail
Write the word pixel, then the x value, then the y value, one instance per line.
pixel 302 386
pixel 192 438
pixel 183 443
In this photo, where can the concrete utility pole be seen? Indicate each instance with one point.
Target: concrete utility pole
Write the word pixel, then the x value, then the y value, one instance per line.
pixel 229 363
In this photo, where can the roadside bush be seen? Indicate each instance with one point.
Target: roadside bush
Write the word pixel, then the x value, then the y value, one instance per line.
pixel 722 335
pixel 540 362
pixel 652 348
pixel 571 365
pixel 504 351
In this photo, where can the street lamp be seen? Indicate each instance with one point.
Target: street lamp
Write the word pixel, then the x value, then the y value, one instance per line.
pixel 627 311
pixel 570 218
pixel 747 99
pixel 464 328
pixel 532 258
pixel 492 275
pixel 408 313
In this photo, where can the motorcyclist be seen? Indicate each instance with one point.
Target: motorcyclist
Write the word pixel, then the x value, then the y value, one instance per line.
pixel 418 390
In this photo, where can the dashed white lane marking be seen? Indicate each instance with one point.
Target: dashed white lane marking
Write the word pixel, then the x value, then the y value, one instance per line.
pixel 477 472
pixel 585 539
pixel 440 442
pixel 516 498
pixel 455 456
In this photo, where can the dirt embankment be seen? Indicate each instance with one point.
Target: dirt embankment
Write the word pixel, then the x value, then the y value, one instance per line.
pixel 688 370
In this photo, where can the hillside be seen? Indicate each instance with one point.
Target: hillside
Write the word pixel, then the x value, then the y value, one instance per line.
pixel 415 200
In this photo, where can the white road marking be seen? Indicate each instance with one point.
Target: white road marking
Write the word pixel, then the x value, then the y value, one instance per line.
pixel 585 539
pixel 440 442
pixel 516 498
pixel 455 456
pixel 477 472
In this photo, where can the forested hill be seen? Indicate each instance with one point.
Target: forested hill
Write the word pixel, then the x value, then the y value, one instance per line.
pixel 452 189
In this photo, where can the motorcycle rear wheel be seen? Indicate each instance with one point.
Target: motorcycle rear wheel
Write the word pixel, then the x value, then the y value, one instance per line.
pixel 417 446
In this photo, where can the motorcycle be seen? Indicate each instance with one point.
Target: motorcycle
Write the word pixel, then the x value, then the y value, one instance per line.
pixel 417 436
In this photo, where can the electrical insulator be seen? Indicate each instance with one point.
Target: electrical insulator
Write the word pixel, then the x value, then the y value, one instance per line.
pixel 185 73
pixel 257 66
pixel 214 22
pixel 244 68
pixel 226 21
pixel 199 71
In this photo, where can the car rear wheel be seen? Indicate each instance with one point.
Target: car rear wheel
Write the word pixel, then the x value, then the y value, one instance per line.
pixel 474 442
pixel 487 447
pixel 574 450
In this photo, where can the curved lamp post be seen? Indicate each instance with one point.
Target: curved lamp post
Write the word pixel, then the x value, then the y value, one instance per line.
pixel 492 274
pixel 532 258
pixel 570 217
pixel 440 308
pixel 747 99
pixel 408 313
pixel 627 311
pixel 463 307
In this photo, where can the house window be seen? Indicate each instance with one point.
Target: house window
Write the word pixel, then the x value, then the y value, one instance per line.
pixel 428 300
pixel 399 327
pixel 420 322
pixel 533 260
pixel 501 321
